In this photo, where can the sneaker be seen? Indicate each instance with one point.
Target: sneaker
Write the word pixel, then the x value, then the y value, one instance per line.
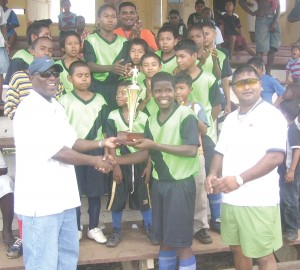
pixel 14 250
pixel 97 235
pixel 113 240
pixel 151 237
pixel 203 237
pixel 79 235
pixel 215 225
pixel 291 236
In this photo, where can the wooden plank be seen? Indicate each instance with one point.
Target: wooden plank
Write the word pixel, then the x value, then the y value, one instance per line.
pixel 7 143
pixel 293 265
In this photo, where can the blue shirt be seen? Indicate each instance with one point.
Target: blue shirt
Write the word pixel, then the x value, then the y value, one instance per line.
pixel 270 86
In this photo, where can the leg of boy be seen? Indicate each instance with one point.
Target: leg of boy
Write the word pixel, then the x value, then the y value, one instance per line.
pixel 215 201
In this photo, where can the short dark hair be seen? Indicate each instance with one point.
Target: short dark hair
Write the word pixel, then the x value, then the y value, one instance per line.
pixel 183 77
pixel 195 27
pixel 162 76
pixel 244 68
pixel 295 46
pixel 77 64
pixel 66 34
pixel 256 61
pixel 124 83
pixel 105 7
pixel 138 41
pixel 35 28
pixel 200 2
pixel 290 107
pixel 79 17
pixel 63 1
pixel 187 45
pixel 126 4
pixel 174 12
pixel 232 1
pixel 37 40
pixel 151 54
pixel 209 24
pixel 168 28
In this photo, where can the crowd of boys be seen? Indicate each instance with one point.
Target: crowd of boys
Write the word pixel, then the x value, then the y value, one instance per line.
pixel 170 179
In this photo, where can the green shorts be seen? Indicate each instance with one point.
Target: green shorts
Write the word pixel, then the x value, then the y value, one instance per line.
pixel 256 229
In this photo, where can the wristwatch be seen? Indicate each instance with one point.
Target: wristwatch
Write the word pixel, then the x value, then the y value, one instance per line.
pixel 239 180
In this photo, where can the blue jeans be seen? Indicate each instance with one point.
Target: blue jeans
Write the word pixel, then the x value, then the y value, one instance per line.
pixel 289 204
pixel 51 242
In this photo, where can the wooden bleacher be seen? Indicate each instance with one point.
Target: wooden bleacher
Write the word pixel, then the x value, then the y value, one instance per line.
pixel 133 247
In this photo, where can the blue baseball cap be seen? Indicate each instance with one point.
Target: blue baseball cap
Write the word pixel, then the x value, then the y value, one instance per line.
pixel 42 64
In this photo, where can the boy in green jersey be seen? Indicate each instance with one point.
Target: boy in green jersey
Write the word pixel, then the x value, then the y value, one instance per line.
pixel 167 39
pixel 150 65
pixel 105 53
pixel 87 113
pixel 126 179
pixel 171 139
pixel 183 89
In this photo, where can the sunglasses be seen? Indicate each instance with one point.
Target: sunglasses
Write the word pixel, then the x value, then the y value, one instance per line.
pixel 48 73
pixel 242 83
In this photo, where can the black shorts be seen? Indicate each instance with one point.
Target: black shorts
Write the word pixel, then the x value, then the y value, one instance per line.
pixel 173 211
pixel 139 199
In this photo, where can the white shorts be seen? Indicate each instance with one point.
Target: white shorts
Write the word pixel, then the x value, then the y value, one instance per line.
pixel 6 185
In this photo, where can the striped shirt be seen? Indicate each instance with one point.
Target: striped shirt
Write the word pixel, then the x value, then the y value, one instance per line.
pixel 19 88
pixel 293 66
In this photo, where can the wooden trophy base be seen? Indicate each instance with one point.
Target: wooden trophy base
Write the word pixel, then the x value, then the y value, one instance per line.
pixel 124 137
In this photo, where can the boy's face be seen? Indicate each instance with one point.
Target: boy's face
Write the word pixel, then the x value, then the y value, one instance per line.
pixel 44 32
pixel 295 53
pixel 66 5
pixel 229 7
pixel 199 8
pixel 150 66
pixel 136 52
pixel 127 17
pixel 108 20
pixel 72 46
pixel 166 42
pixel 206 14
pixel 81 78
pixel 197 36
pixel 182 92
pixel 174 19
pixel 163 94
pixel 121 96
pixel 44 47
pixel 185 60
pixel 209 37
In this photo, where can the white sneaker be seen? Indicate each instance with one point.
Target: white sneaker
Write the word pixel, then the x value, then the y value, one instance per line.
pixel 97 235
pixel 79 235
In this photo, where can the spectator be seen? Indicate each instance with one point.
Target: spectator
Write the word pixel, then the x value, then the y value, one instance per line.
pixel 4 61
pixel 131 27
pixel 66 19
pixel 270 85
pixel 293 65
pixel 82 31
pixel 196 17
pixel 12 22
pixel 13 245
pixel 176 21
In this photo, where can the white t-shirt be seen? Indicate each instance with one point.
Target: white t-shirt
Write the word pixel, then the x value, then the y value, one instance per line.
pixel 219 37
pixel 43 186
pixel 244 140
pixel 2 22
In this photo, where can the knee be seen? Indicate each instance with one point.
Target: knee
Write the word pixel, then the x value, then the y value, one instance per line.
pixel 236 249
pixel 266 259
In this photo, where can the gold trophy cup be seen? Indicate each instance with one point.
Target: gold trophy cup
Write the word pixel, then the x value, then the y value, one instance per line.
pixel 133 91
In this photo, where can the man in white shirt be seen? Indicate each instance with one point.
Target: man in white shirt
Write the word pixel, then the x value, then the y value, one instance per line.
pixel 46 192
pixel 251 146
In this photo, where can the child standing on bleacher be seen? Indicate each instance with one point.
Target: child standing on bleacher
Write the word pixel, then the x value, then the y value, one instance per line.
pixel 87 113
pixel 293 65
pixel 122 183
pixel 290 173
pixel 66 20
pixel 70 45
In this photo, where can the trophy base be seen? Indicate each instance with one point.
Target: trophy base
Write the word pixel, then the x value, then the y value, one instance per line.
pixel 124 137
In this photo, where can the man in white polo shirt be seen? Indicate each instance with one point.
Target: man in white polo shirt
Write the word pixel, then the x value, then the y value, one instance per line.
pixel 46 192
pixel 251 146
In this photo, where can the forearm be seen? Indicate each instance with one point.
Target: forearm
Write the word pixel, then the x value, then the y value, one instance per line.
pixel 226 89
pixel 178 150
pixel 215 111
pixel 99 68
pixel 202 128
pixel 69 156
pixel 215 168
pixel 217 70
pixel 295 159
pixel 268 163
pixel 84 146
pixel 134 158
pixel 277 102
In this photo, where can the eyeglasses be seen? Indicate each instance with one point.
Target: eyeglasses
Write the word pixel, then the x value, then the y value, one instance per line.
pixel 48 73
pixel 242 83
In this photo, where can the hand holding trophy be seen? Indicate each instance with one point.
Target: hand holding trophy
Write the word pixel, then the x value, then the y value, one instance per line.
pixel 133 91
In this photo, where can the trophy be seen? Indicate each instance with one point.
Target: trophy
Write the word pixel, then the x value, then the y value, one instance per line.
pixel 133 91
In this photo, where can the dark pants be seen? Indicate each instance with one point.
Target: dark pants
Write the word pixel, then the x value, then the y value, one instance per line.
pixel 289 204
